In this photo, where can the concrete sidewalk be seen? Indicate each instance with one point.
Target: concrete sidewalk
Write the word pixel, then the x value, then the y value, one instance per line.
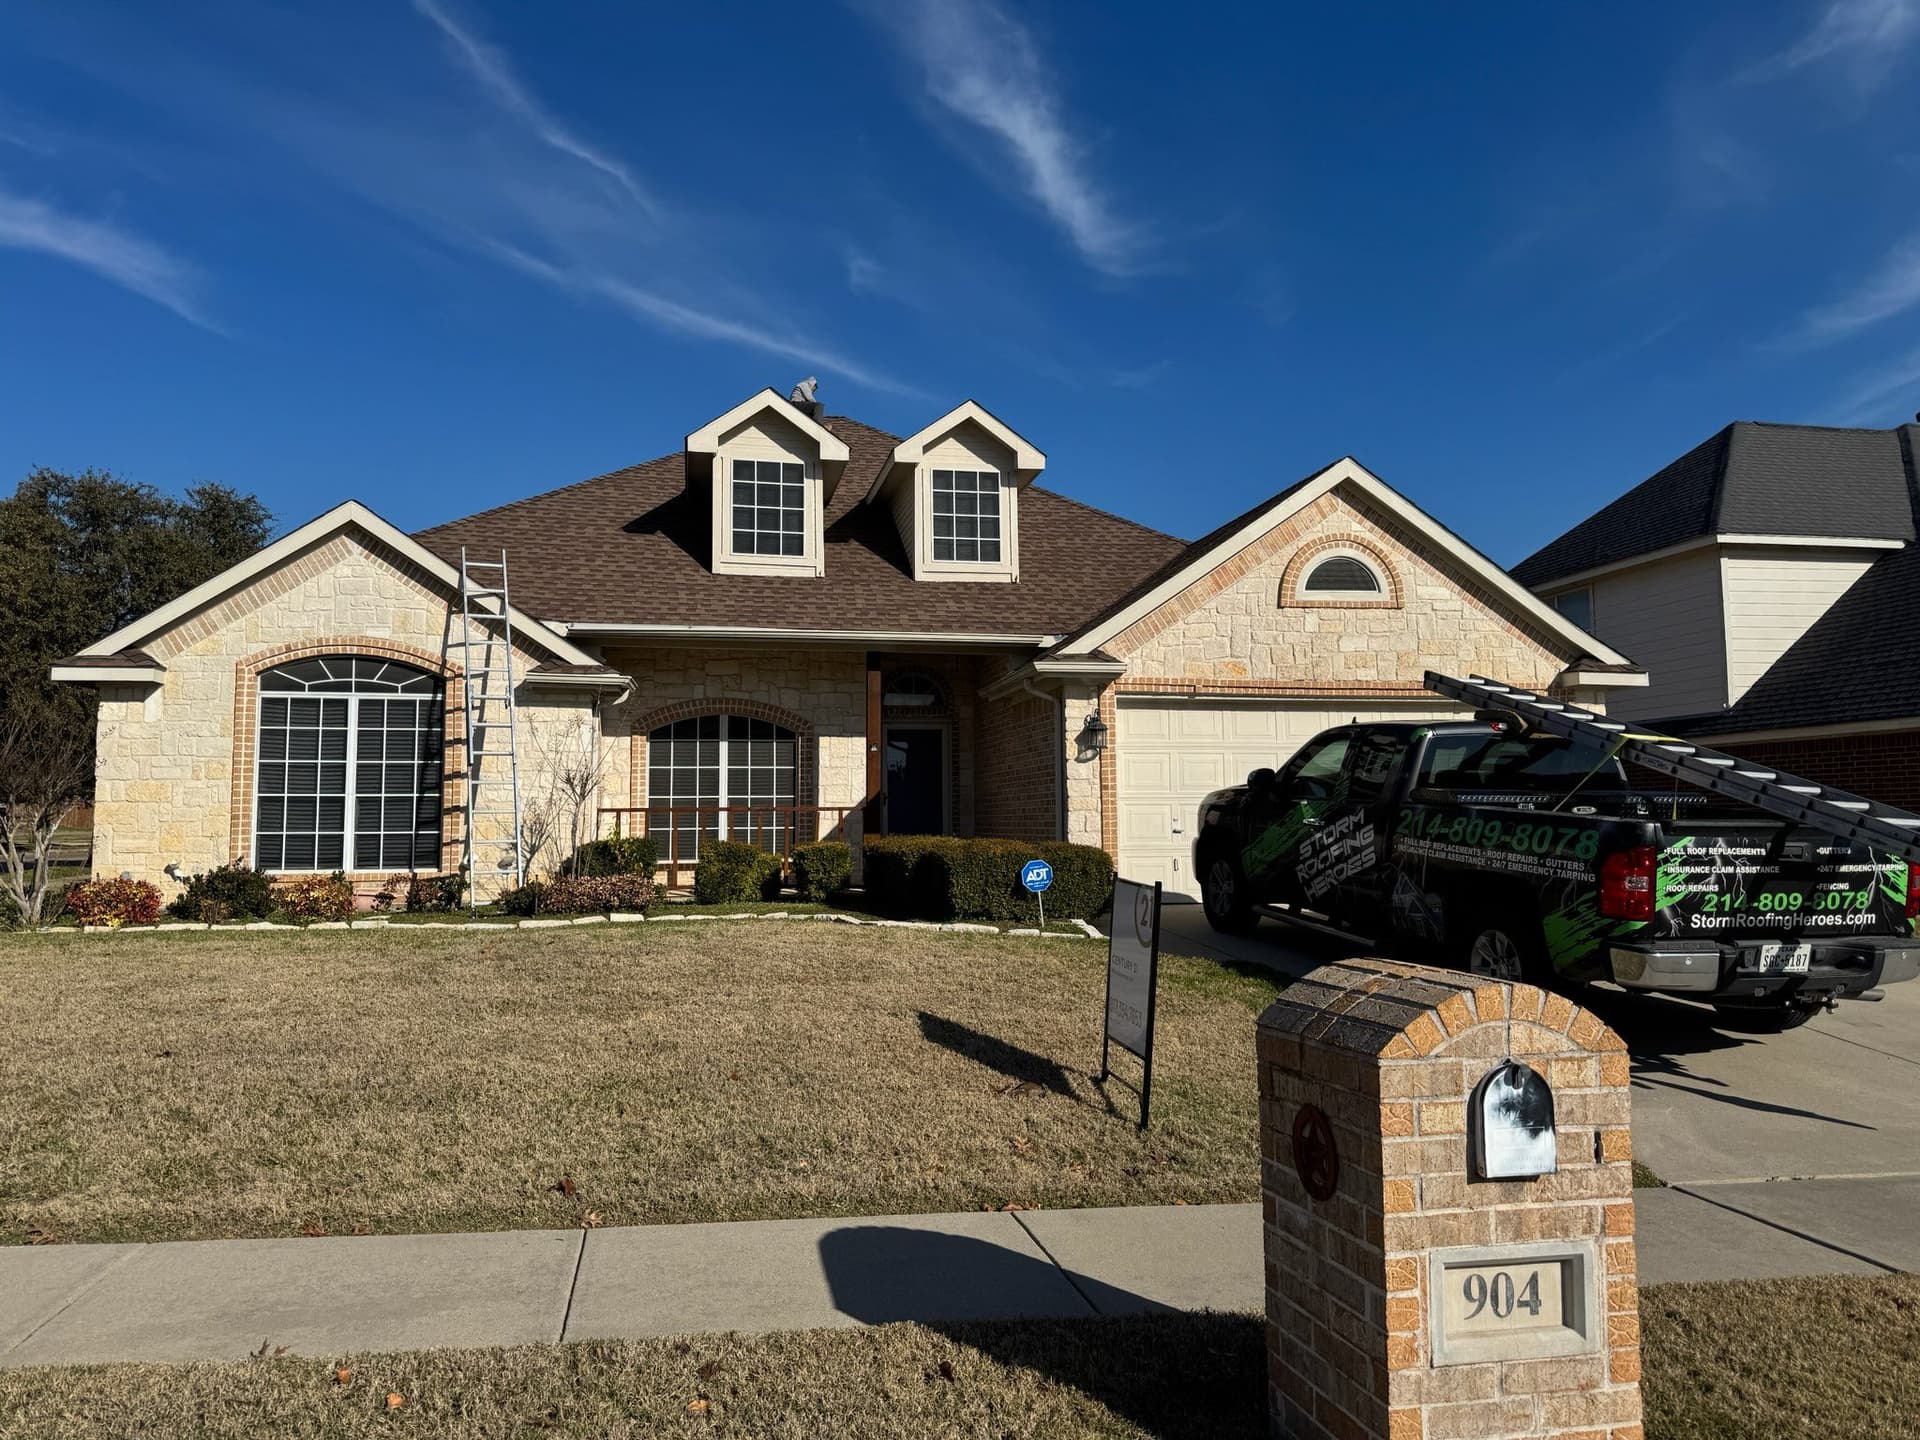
pixel 222 1299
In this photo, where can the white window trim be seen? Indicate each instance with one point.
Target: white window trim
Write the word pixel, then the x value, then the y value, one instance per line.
pixel 999 538
pixel 351 796
pixel 1382 593
pixel 999 572
pixel 727 560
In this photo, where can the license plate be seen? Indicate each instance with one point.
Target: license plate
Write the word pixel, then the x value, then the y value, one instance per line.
pixel 1784 959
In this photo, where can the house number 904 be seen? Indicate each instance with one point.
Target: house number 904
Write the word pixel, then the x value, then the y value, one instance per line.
pixel 1501 1294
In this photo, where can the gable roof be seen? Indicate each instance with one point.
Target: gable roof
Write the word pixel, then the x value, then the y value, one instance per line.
pixel 1212 549
pixel 1028 459
pixel 631 548
pixel 347 514
pixel 1751 478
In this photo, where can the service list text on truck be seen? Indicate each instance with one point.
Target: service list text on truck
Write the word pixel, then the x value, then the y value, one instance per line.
pixel 1522 855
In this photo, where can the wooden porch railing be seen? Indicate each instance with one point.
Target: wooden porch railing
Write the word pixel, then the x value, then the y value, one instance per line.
pixel 680 829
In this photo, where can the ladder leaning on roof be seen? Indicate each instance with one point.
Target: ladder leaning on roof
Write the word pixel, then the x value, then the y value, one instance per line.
pixel 1839 813
pixel 486 658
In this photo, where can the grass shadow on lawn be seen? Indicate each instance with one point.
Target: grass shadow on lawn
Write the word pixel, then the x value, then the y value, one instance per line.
pixel 1021 1066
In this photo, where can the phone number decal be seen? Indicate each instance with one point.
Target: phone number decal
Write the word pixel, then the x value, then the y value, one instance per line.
pixel 1578 842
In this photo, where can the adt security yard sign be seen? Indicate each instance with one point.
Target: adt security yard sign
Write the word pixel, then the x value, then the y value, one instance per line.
pixel 1037 876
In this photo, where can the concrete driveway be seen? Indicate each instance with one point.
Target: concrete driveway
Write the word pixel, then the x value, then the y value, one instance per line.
pixel 1806 1142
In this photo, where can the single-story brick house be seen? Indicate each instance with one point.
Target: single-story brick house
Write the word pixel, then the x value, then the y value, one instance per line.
pixel 795 624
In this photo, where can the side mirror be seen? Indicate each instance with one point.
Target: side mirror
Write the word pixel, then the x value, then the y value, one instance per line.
pixel 1261 779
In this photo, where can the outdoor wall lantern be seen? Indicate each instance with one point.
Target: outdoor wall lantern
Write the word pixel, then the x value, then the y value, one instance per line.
pixel 1093 737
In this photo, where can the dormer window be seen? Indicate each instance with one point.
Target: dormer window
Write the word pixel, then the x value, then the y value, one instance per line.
pixel 769 507
pixel 966 516
pixel 768 469
pixel 954 490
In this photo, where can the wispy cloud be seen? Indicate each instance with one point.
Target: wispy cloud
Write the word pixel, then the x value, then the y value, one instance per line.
pixel 1890 290
pixel 686 319
pixel 128 260
pixel 981 64
pixel 491 67
pixel 1875 398
pixel 1863 37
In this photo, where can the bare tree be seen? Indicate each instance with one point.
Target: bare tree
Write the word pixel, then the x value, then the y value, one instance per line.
pixel 572 763
pixel 46 758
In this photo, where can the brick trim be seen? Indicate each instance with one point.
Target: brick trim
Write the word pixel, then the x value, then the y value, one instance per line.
pixel 1292 596
pixel 805 763
pixel 246 709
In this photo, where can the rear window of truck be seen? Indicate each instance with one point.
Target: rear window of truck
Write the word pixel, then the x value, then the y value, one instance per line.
pixel 1509 763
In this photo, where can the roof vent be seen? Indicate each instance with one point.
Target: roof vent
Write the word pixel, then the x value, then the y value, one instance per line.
pixel 803 397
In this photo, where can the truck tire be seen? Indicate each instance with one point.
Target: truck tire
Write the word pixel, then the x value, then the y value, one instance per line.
pixel 1503 945
pixel 1223 894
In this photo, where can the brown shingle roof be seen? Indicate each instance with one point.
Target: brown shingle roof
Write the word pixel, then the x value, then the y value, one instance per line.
pixel 631 547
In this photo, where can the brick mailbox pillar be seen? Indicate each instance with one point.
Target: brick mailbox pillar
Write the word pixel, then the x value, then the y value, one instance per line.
pixel 1408 1298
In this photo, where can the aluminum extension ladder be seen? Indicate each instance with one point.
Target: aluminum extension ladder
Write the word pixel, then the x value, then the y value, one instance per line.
pixel 486 632
pixel 1838 812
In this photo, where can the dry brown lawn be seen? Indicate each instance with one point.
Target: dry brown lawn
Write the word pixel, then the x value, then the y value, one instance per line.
pixel 183 1086
pixel 1813 1359
pixel 1166 1376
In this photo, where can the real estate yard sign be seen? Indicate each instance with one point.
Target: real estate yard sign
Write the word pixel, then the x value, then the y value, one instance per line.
pixel 1133 972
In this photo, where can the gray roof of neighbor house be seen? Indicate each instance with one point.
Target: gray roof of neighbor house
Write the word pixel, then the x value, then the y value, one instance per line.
pixel 632 547
pixel 1752 478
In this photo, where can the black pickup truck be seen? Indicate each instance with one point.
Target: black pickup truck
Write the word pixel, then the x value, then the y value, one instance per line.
pixel 1529 857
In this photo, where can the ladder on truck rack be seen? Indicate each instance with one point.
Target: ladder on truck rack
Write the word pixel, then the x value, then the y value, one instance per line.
pixel 486 632
pixel 1825 807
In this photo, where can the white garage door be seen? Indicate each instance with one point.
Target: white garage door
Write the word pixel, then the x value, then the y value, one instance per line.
pixel 1170 753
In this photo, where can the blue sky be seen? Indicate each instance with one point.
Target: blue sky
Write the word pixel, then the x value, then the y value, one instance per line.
pixel 441 254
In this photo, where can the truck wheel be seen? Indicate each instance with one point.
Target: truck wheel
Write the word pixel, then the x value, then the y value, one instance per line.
pixel 1770 1020
pixel 1503 949
pixel 1223 893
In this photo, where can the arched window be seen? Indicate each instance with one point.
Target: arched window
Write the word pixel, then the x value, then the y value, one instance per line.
pixel 1342 575
pixel 349 766
pixel 724 777
pixel 913 690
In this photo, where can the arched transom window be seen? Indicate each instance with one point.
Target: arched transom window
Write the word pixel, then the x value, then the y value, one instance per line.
pixel 349 766
pixel 724 777
pixel 1342 575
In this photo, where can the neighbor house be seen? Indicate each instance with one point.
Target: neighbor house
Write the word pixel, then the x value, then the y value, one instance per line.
pixel 1767 580
pixel 795 625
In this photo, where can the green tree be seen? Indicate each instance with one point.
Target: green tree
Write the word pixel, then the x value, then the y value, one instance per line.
pixel 81 556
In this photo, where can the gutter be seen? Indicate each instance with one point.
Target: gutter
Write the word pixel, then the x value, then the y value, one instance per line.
pixel 886 639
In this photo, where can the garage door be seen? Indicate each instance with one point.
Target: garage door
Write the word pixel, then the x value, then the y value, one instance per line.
pixel 1170 753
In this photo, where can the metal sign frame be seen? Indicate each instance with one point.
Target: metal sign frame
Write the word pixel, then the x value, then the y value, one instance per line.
pixel 1107 1038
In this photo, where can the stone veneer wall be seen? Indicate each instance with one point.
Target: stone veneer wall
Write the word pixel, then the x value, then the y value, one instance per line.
pixel 169 784
pixel 1244 629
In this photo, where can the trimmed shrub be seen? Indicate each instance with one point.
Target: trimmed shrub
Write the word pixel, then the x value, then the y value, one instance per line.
pixel 580 895
pixel 619 855
pixel 940 877
pixel 821 868
pixel 731 871
pixel 114 902
pixel 316 897
pixel 231 892
pixel 435 894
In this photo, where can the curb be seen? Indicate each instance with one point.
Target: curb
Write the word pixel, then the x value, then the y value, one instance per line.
pixel 952 927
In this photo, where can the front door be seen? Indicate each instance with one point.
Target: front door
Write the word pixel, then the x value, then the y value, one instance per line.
pixel 916 780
